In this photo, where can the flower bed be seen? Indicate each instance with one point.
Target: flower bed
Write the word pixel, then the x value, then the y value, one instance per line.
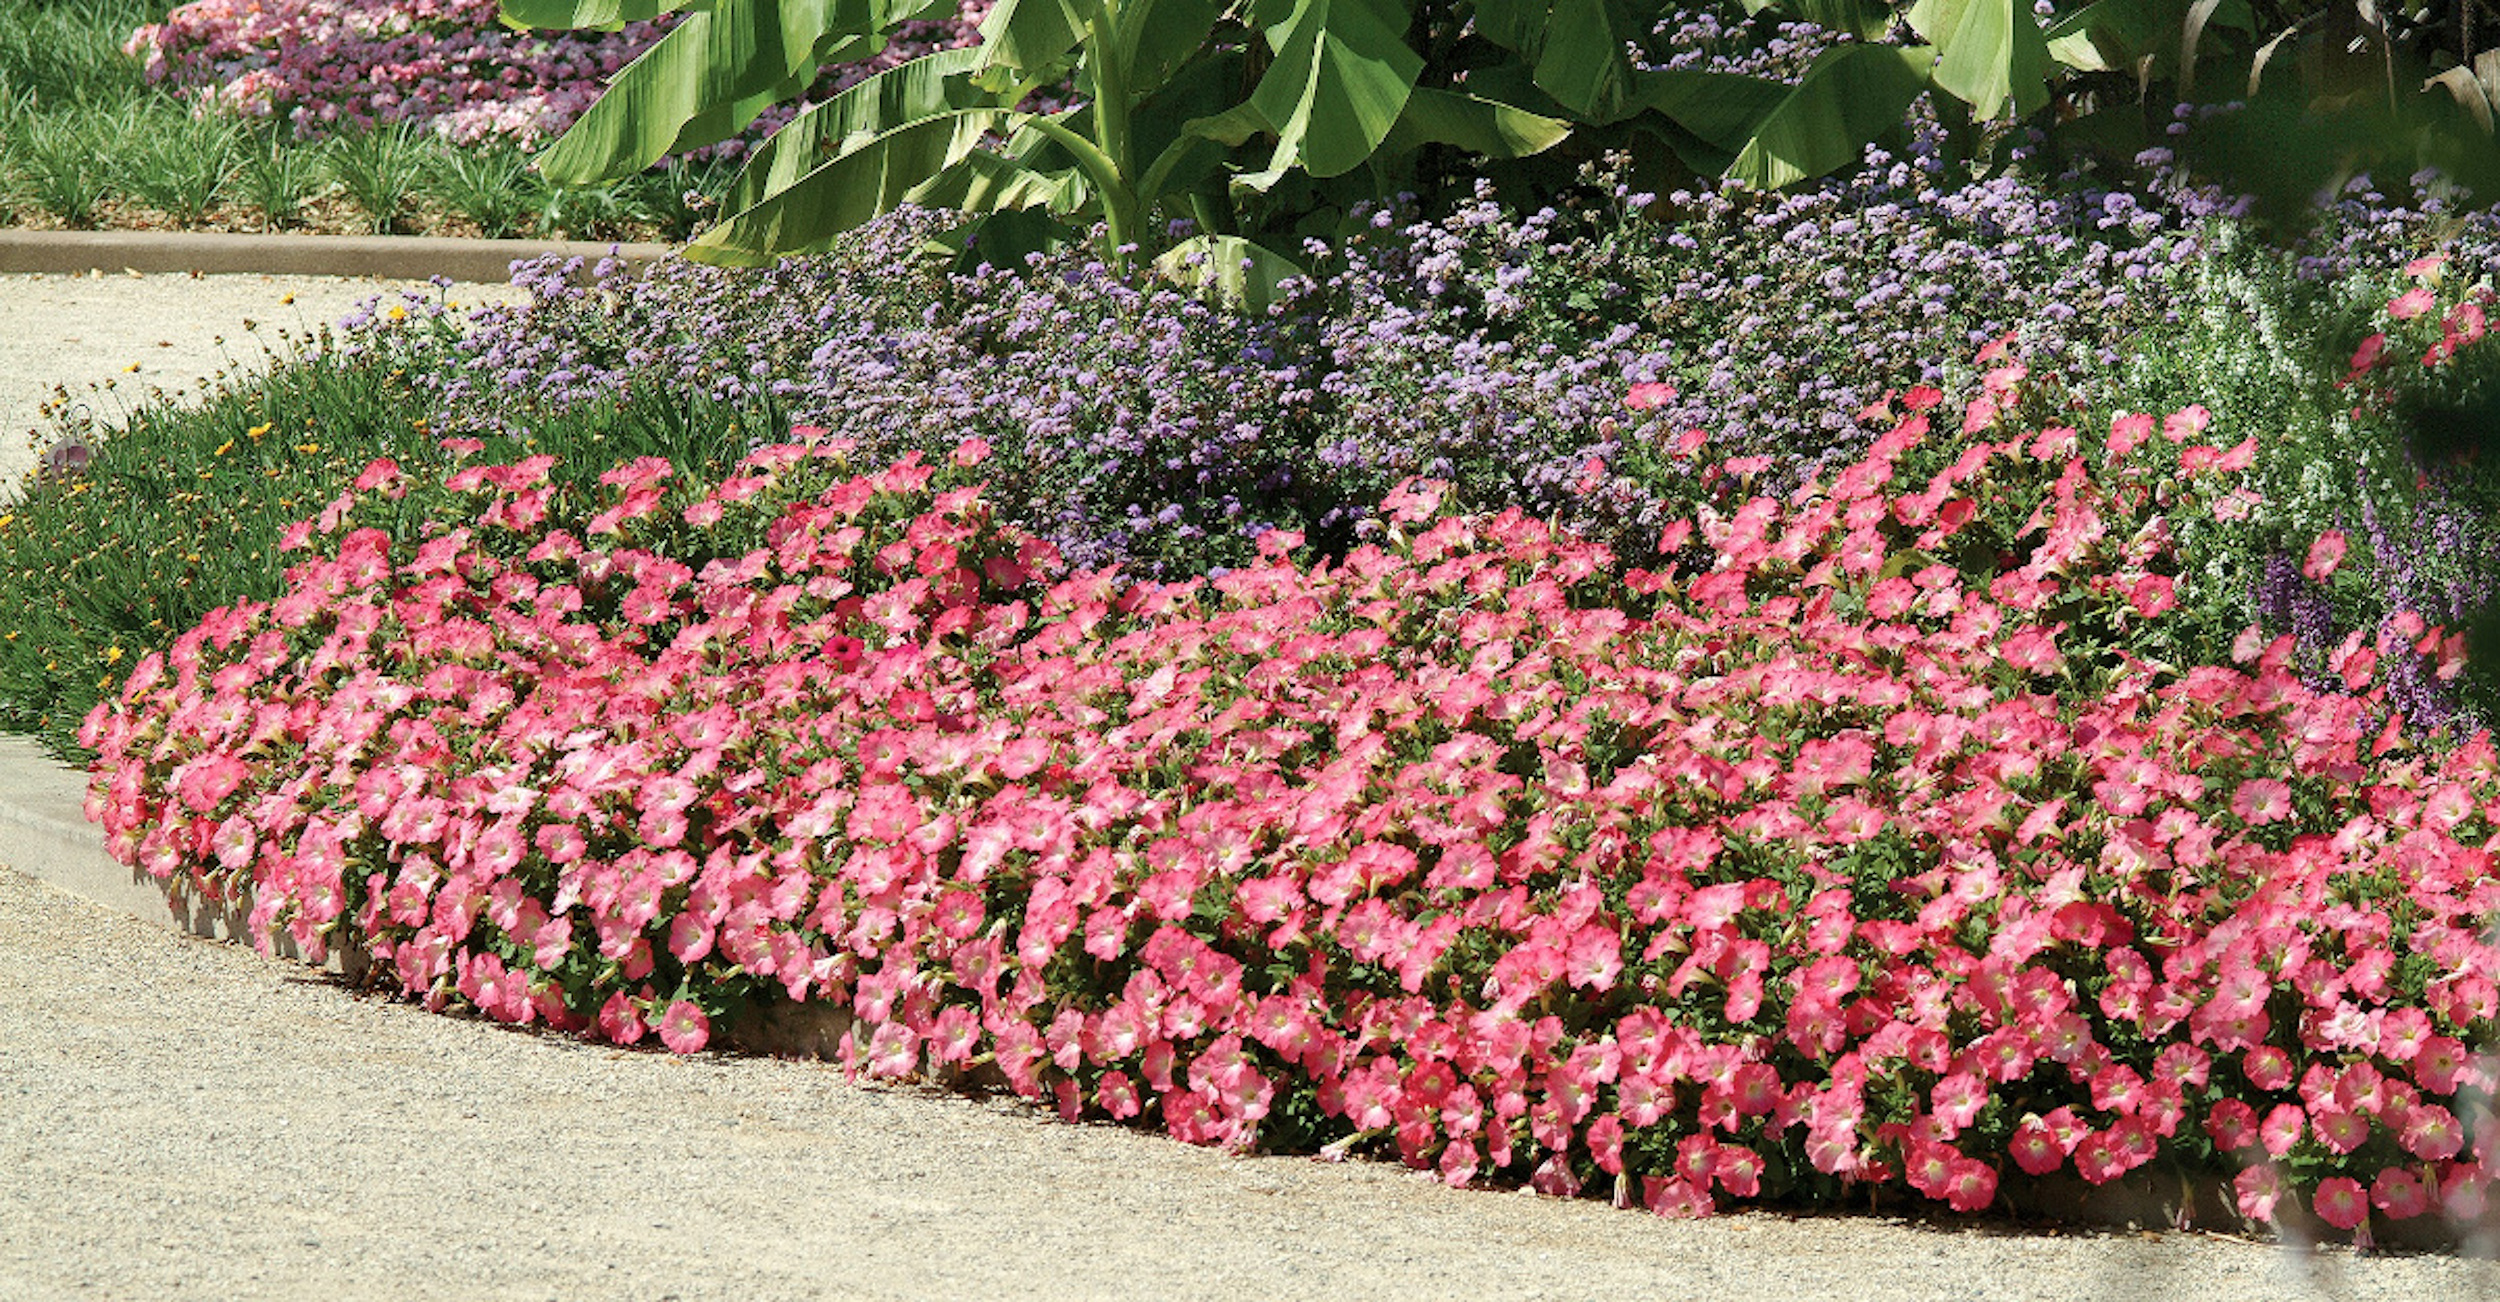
pixel 1845 850
pixel 452 64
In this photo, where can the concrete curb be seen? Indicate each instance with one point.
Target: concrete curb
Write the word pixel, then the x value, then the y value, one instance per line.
pixel 44 833
pixel 387 257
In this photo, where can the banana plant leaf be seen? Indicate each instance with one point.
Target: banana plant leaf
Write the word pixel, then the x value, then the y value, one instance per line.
pixel 590 13
pixel 1989 52
pixel 901 94
pixel 1584 61
pixel 1479 126
pixel 2118 35
pixel 1229 268
pixel 1783 134
pixel 1341 77
pixel 871 178
pixel 988 182
pixel 1029 35
pixel 1157 38
pixel 730 54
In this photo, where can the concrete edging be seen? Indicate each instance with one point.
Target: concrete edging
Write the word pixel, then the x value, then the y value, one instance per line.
pixel 386 257
pixel 44 834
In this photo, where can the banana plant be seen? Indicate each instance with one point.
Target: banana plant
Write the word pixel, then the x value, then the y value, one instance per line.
pixel 1119 112
pixel 1178 106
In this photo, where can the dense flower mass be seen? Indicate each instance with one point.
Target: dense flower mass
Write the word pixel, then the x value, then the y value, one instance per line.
pixel 322 65
pixel 1831 853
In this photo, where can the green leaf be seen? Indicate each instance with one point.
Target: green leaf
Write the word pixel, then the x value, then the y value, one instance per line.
pixel 721 121
pixel 1989 51
pixel 590 13
pixel 1848 97
pixel 1029 35
pixel 2116 35
pixel 1002 239
pixel 1517 25
pixel 1585 62
pixel 1341 77
pixel 1724 108
pixel 901 94
pixel 1158 37
pixel 1479 126
pixel 872 178
pixel 986 182
pixel 679 90
pixel 1229 267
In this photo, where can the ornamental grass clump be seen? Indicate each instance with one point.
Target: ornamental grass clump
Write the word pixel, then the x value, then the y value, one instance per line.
pixel 1839 852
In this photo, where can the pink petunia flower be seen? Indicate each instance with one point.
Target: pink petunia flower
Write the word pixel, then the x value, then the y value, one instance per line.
pixel 1649 395
pixel 684 1028
pixel 2324 556
pixel 2340 1202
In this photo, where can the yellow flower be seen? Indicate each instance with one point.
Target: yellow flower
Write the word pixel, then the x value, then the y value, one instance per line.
pixel 257 430
pixel 4 519
pixel 308 448
pixel 224 448
pixel 398 313
pixel 112 655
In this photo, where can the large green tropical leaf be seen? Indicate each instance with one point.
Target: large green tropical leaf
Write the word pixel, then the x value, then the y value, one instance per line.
pixel 1989 51
pixel 737 50
pixel 987 182
pixel 1341 77
pixel 1849 96
pixel 722 121
pixel 591 13
pixel 1230 268
pixel 1479 126
pixel 1158 37
pixel 1584 61
pixel 870 178
pixel 1029 35
pixel 1723 108
pixel 901 94
pixel 2118 35
pixel 1516 25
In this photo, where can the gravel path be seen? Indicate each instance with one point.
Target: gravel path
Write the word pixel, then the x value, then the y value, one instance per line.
pixel 185 1119
pixel 182 1118
pixel 179 332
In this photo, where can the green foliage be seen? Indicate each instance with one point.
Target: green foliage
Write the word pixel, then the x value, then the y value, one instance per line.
pixel 1198 109
pixel 175 162
pixel 179 512
pixel 275 177
pixel 54 161
pixel 490 186
pixel 379 168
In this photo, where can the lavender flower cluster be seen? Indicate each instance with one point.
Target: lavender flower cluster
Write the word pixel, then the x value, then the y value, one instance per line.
pixel 1135 425
pixel 1128 421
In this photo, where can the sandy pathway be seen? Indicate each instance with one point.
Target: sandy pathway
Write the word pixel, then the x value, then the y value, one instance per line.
pixel 181 1118
pixel 85 334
